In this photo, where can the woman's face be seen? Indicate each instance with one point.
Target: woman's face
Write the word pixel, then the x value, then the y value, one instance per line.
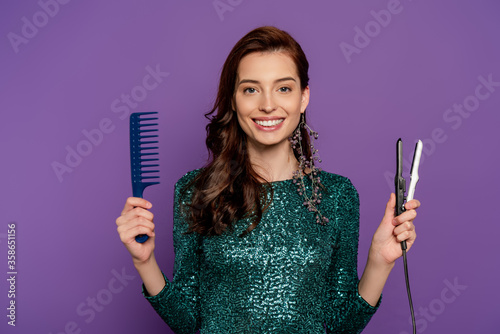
pixel 268 99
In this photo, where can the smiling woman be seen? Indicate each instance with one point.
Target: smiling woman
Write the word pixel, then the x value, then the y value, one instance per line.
pixel 252 254
pixel 268 103
pixel 264 78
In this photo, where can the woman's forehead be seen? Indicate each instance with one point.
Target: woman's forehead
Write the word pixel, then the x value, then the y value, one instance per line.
pixel 266 66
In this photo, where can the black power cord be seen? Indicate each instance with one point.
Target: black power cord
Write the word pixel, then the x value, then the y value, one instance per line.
pixel 409 292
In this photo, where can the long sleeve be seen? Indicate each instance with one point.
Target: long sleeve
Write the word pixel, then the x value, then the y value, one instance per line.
pixel 348 312
pixel 178 303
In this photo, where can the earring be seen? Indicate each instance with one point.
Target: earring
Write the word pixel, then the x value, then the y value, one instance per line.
pixel 310 201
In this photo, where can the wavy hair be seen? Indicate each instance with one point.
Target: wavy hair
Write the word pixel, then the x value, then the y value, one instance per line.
pixel 228 189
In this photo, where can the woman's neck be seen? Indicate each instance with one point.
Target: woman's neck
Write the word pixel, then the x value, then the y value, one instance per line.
pixel 273 163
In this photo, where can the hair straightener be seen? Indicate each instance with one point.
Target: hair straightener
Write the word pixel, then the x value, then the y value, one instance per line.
pixel 400 183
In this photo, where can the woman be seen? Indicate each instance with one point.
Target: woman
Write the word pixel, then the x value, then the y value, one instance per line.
pixel 264 241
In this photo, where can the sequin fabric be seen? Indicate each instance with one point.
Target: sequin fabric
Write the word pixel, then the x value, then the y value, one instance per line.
pixel 289 275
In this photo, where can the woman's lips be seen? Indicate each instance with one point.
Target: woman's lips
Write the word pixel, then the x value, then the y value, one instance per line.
pixel 269 124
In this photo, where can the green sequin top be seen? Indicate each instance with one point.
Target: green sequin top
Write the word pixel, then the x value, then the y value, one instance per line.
pixel 289 275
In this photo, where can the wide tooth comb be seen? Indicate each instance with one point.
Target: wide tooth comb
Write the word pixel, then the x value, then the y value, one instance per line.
pixel 143 153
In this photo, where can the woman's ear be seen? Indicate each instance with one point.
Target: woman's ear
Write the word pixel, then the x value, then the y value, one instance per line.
pixel 305 99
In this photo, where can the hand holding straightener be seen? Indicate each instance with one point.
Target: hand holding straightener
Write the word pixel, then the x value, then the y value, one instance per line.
pixel 397 231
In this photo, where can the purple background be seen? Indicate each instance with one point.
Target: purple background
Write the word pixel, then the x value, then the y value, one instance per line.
pixel 66 76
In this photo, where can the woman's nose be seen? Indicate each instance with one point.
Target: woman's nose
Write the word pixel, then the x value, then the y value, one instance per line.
pixel 267 103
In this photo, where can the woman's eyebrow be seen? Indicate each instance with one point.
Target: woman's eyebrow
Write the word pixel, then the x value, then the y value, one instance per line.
pixel 257 82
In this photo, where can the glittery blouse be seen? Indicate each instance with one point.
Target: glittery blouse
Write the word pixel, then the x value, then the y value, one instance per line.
pixel 289 275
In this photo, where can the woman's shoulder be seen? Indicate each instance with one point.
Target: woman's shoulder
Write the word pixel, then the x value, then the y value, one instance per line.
pixel 332 179
pixel 340 191
pixel 184 186
pixel 186 179
pixel 337 184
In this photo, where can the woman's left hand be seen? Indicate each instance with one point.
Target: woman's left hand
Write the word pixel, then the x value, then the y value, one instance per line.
pixel 386 242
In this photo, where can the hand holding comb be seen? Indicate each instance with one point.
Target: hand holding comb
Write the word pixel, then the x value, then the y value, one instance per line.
pixel 143 154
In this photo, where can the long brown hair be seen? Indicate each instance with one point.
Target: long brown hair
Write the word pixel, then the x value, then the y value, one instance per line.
pixel 228 189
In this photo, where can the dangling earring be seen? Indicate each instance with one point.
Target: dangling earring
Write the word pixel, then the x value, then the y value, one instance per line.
pixel 314 199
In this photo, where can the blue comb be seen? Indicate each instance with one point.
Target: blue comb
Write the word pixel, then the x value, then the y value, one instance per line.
pixel 143 154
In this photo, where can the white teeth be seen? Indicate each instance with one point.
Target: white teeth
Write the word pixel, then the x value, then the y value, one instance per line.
pixel 269 123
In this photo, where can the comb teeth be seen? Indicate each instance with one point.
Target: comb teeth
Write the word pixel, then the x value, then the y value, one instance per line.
pixel 143 151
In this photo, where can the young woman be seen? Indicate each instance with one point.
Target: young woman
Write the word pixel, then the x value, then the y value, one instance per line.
pixel 264 241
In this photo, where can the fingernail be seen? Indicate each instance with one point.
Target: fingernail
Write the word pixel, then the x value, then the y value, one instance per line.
pixel 394 222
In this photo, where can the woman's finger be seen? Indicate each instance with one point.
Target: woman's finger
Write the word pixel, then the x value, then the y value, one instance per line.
pixel 409 215
pixel 130 234
pixel 390 206
pixel 412 205
pixel 139 221
pixel 406 226
pixel 133 214
pixel 133 202
pixel 138 212
pixel 406 235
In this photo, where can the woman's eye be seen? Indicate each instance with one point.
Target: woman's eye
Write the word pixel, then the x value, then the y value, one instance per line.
pixel 249 90
pixel 284 89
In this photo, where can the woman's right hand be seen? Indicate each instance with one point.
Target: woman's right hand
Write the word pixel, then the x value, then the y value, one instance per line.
pixel 135 219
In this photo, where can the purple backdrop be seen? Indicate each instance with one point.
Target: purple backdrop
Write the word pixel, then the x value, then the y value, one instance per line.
pixel 71 71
